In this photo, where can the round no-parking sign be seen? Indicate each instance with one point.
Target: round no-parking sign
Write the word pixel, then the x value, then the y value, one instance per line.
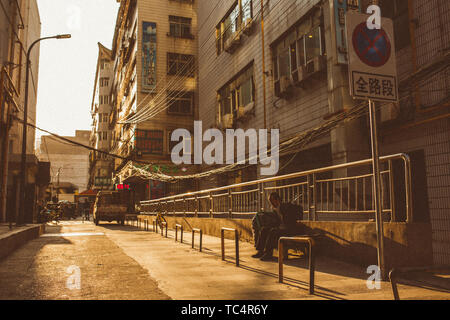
pixel 371 54
pixel 372 46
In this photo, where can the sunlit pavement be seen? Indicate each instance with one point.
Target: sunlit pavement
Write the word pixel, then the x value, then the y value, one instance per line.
pixel 122 262
pixel 46 268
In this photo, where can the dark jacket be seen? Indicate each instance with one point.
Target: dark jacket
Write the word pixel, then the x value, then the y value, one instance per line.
pixel 290 213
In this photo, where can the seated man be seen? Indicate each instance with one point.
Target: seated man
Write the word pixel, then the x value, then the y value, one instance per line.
pixel 268 236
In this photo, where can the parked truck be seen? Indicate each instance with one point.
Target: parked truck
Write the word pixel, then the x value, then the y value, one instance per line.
pixel 112 206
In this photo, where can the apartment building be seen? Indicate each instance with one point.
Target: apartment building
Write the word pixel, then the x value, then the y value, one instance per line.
pixel 69 164
pixel 20 25
pixel 301 81
pixel 154 89
pixel 100 164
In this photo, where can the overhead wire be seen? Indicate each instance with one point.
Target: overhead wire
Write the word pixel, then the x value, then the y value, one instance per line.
pixel 153 111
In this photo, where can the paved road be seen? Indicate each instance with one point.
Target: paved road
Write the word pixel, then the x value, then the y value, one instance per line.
pixel 122 262
pixel 39 269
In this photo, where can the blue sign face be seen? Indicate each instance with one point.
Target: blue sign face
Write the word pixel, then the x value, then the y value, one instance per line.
pixel 372 46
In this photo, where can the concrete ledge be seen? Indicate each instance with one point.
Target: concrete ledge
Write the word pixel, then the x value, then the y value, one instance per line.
pixel 406 244
pixel 12 240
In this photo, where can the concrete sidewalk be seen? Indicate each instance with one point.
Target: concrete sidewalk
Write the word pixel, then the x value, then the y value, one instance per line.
pixel 185 273
pixel 11 239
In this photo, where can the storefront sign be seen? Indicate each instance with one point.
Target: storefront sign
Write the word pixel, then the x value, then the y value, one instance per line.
pixel 150 141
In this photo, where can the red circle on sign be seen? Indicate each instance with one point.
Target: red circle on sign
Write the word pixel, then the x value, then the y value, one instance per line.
pixel 372 46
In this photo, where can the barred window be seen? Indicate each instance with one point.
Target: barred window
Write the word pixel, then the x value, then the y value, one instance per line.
pixel 180 64
pixel 180 27
pixel 180 102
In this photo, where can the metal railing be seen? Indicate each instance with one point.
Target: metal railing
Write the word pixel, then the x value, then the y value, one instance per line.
pixel 326 194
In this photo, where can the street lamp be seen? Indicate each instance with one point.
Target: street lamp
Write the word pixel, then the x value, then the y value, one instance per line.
pixel 23 165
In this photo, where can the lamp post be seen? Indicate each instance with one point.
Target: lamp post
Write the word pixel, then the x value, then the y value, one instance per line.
pixel 23 165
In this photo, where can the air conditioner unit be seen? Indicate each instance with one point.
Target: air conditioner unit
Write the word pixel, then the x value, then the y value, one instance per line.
pixel 286 86
pixel 298 76
pixel 232 43
pixel 247 26
pixel 317 64
pixel 243 112
pixel 227 121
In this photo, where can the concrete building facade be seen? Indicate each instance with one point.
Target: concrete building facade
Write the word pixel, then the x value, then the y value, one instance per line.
pixel 100 176
pixel 69 164
pixel 306 83
pixel 154 88
pixel 20 25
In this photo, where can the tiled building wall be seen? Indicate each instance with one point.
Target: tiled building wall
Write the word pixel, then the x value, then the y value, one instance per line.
pixel 158 11
pixel 303 111
pixel 432 38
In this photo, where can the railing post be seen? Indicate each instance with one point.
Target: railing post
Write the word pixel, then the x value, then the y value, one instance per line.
pixel 196 206
pixel 230 204
pixel 211 202
pixel 314 186
pixel 391 192
pixel 408 191
pixel 260 198
pixel 263 197
pixel 184 206
pixel 236 241
pixel 309 195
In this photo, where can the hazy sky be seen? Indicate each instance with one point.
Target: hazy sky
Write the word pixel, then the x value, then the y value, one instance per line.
pixel 67 67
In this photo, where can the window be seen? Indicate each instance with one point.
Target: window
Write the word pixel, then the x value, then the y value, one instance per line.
pixel 103 117
pixel 103 135
pixel 240 14
pixel 104 99
pixel 237 93
pixel 180 102
pixel 180 64
pixel 299 48
pixel 397 10
pixel 180 27
pixel 104 64
pixel 104 82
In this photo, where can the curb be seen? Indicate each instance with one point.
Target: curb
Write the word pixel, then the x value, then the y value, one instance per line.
pixel 16 238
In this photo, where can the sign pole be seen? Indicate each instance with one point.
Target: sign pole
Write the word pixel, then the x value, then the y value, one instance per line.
pixel 377 188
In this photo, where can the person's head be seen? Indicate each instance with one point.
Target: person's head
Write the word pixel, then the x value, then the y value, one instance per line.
pixel 275 200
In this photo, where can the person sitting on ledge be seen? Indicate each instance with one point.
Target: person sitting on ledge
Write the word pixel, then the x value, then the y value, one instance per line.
pixel 266 239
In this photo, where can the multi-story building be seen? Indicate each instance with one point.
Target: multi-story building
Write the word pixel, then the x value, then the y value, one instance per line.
pixel 301 80
pixel 69 164
pixel 19 26
pixel 154 88
pixel 100 164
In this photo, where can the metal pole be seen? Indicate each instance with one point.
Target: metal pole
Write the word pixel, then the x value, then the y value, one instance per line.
pixel 263 63
pixel 23 166
pixel 377 189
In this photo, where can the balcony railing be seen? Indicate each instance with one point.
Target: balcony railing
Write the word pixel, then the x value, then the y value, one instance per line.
pixel 325 195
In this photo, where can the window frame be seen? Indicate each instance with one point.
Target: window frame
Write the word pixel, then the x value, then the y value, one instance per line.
pixel 180 24
pixel 179 96
pixel 232 92
pixel 175 60
pixel 222 27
